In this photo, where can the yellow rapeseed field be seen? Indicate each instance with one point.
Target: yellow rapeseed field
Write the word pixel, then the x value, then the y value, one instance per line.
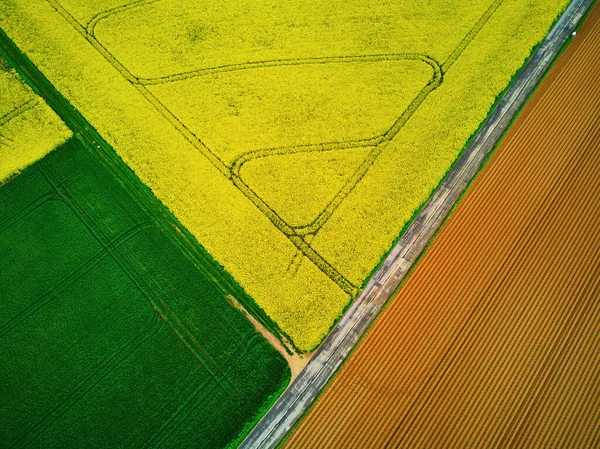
pixel 293 139
pixel 29 129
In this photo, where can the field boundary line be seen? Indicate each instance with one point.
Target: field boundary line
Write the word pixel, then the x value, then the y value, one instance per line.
pixel 101 150
pixel 296 235
pixel 300 395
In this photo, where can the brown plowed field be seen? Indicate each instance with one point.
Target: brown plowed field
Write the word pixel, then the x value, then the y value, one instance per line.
pixel 494 340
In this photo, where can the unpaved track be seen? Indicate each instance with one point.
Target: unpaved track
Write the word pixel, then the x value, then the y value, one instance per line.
pixel 494 340
pixel 308 385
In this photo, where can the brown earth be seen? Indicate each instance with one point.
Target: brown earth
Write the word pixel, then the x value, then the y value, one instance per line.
pixel 494 340
pixel 295 361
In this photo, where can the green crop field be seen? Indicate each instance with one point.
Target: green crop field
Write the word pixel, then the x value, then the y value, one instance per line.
pixel 110 335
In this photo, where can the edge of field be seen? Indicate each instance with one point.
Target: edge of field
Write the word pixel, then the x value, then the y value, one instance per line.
pixel 452 209
pixel 497 100
pixel 417 211
pixel 491 111
pixel 163 218
pixel 251 423
pixel 176 232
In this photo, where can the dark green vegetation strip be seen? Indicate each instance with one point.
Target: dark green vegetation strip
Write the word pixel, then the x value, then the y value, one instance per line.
pixel 142 194
pixel 116 328
pixel 109 335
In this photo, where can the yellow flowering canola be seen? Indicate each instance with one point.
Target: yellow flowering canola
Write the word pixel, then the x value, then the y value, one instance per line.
pixel 293 139
pixel 29 129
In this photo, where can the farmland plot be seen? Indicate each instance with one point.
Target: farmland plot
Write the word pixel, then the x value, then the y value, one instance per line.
pixel 110 334
pixel 494 339
pixel 293 140
pixel 29 129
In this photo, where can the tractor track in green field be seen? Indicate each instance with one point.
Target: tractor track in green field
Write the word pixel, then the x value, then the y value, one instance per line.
pixel 190 405
pixel 221 368
pixel 72 277
pixel 163 218
pixel 299 236
pixel 102 370
pixel 155 300
pixel 221 372
pixel 18 216
pixel 61 193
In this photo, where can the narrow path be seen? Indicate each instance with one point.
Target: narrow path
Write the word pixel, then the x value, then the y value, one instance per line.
pixel 303 391
pixel 295 361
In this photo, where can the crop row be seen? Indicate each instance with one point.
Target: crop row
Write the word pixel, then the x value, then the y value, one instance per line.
pixel 494 340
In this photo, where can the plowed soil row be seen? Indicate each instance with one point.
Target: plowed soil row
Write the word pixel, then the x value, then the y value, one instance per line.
pixel 494 340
